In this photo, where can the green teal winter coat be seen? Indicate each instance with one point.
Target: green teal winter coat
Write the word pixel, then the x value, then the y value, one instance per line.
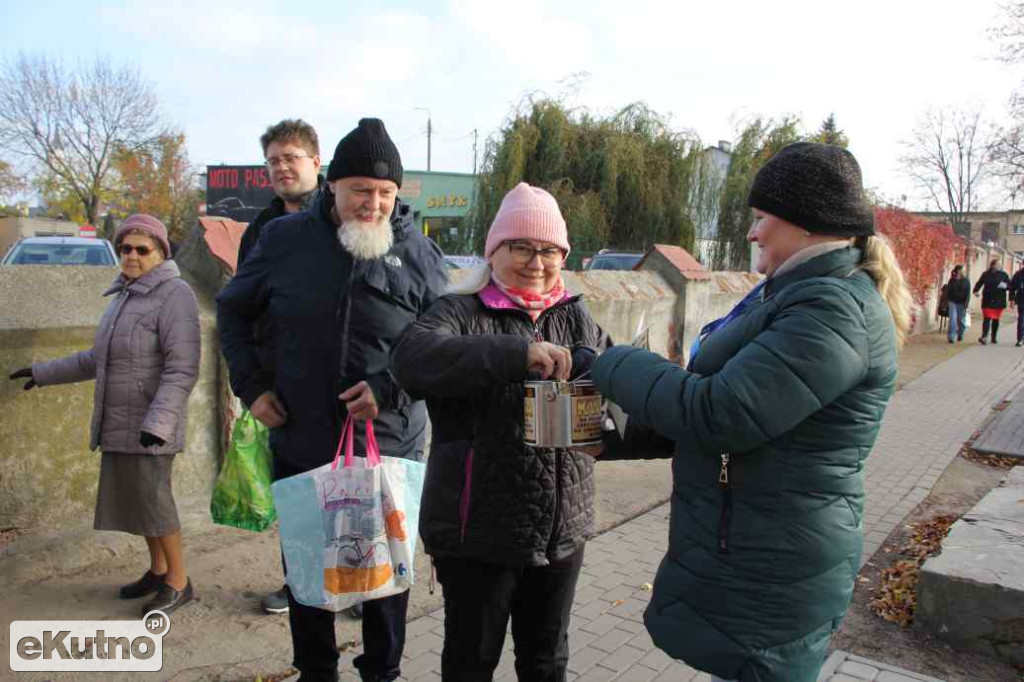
pixel 772 429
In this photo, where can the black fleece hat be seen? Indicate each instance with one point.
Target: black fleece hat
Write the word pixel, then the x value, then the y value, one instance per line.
pixel 366 152
pixel 817 187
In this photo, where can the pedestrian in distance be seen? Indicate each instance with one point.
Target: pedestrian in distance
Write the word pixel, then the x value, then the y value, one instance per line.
pixel 145 361
pixel 779 406
pixel 505 523
pixel 994 286
pixel 1016 299
pixel 958 295
pixel 291 150
pixel 339 283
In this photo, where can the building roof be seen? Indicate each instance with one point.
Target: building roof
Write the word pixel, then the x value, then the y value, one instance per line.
pixel 688 266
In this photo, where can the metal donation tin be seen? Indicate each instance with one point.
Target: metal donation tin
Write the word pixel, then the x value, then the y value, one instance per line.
pixel 562 414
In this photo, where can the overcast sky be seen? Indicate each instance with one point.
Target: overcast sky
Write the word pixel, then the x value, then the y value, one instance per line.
pixel 225 70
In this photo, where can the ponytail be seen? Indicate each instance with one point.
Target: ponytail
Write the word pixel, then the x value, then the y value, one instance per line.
pixel 879 261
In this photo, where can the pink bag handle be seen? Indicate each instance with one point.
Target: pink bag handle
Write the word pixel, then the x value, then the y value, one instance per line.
pixel 347 441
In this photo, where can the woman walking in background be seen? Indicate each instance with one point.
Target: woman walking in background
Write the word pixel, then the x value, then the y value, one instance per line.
pixel 958 294
pixel 145 360
pixel 773 419
pixel 994 285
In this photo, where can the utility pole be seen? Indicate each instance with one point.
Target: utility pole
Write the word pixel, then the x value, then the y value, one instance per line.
pixel 430 131
pixel 474 152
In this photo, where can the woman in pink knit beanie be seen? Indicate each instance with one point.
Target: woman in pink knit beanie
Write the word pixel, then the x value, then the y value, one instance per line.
pixel 504 522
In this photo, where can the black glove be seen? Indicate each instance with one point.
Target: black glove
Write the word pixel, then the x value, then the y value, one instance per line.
pixel 582 358
pixel 25 373
pixel 147 439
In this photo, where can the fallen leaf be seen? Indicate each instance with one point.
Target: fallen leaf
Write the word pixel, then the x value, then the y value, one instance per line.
pixel 646 587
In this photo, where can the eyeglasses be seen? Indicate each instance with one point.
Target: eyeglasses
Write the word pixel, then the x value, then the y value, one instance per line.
pixel 285 159
pixel 126 250
pixel 522 253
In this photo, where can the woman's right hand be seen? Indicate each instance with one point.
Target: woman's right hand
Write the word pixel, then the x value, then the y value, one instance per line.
pixel 549 360
pixel 25 373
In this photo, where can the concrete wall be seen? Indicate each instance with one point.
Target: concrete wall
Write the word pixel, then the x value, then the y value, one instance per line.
pixel 624 303
pixel 48 477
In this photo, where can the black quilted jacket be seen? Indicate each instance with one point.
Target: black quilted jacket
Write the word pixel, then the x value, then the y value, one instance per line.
pixel 488 496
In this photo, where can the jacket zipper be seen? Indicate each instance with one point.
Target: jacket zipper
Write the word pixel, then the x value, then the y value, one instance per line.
pixel 344 312
pixel 725 519
pixel 467 490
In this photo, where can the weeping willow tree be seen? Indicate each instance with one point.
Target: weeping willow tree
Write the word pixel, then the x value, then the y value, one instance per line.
pixel 758 141
pixel 625 181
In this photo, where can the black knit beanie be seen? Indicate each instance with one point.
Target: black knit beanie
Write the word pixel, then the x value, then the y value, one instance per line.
pixel 366 152
pixel 816 187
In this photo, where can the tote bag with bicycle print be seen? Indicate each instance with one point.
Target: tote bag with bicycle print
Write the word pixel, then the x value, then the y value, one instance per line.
pixel 349 528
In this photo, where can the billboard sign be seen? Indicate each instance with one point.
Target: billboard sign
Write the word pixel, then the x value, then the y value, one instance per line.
pixel 237 192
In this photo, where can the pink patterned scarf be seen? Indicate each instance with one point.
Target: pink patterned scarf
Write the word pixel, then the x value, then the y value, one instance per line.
pixel 531 300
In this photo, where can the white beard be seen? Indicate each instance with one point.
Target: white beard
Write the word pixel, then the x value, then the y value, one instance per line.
pixel 366 241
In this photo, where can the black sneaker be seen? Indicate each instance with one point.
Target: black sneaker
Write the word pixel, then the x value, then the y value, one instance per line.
pixel 276 602
pixel 982 341
pixel 168 599
pixel 147 584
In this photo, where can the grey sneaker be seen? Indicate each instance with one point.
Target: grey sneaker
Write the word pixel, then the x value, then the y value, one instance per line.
pixel 276 602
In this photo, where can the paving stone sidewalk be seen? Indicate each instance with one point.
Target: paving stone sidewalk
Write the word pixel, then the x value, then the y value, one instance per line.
pixel 925 425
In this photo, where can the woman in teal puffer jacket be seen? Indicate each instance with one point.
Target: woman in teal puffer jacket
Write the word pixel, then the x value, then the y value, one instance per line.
pixel 773 418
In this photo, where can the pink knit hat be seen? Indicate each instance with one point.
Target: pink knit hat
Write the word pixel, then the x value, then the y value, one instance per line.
pixel 527 213
pixel 147 225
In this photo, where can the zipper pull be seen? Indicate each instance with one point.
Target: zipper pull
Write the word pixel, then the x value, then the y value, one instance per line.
pixel 536 333
pixel 723 474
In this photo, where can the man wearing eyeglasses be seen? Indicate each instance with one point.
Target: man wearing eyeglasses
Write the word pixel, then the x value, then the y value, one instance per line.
pixel 292 152
pixel 339 282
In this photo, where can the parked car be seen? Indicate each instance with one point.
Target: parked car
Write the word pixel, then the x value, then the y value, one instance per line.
pixel 234 208
pixel 462 262
pixel 61 251
pixel 614 260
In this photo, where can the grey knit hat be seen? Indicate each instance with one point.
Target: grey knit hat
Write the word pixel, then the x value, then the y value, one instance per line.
pixel 817 187
pixel 366 152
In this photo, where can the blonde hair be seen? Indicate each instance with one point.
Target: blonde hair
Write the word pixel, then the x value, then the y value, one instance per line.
pixel 879 261
pixel 474 281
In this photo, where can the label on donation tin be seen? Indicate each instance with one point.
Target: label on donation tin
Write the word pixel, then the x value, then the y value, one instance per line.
pixel 530 415
pixel 586 418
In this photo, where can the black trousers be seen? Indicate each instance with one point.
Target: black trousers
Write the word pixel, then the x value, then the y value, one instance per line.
pixel 314 644
pixel 988 324
pixel 479 598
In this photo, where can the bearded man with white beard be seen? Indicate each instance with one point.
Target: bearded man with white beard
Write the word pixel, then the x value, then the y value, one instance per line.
pixel 340 282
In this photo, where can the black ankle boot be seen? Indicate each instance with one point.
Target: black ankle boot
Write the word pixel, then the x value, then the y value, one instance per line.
pixel 147 584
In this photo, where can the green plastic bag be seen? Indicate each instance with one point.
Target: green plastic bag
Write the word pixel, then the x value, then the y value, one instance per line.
pixel 241 495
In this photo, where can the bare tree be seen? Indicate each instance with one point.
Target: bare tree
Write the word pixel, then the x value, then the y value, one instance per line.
pixel 948 156
pixel 69 124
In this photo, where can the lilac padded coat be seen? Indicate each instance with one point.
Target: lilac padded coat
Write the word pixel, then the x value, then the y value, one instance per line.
pixel 145 360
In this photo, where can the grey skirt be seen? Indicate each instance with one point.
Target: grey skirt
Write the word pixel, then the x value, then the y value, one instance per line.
pixel 135 495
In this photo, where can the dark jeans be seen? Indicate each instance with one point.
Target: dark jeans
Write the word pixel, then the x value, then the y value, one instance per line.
pixel 478 600
pixel 313 641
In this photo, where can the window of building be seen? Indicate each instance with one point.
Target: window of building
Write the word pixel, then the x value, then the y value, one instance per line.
pixel 990 232
pixel 1017 229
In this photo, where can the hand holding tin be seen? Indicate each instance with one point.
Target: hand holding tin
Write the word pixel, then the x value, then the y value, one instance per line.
pixel 549 360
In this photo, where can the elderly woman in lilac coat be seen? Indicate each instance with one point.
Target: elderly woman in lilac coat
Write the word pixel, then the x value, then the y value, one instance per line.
pixel 145 360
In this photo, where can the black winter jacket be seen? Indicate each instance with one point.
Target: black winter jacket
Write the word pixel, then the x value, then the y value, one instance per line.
pixel 958 290
pixel 264 330
pixel 334 320
pixel 994 286
pixel 488 496
pixel 1017 287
